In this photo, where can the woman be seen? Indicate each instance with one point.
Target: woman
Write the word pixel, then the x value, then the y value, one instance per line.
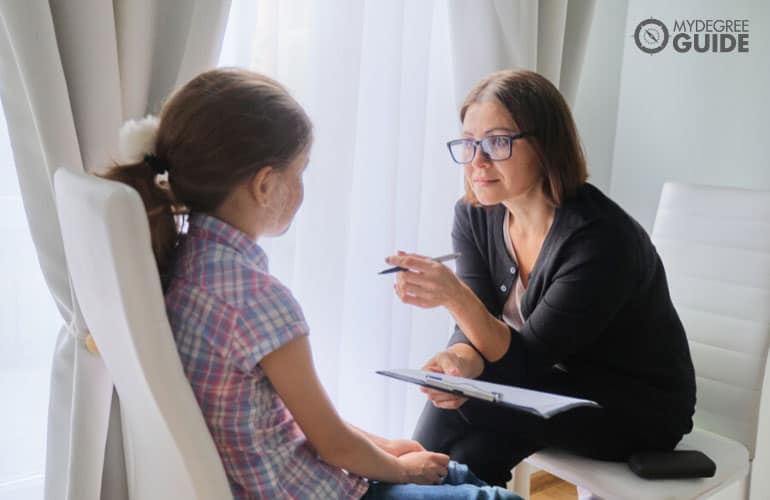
pixel 557 289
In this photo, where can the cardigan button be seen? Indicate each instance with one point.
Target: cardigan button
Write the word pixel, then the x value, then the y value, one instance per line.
pixel 513 269
pixel 503 288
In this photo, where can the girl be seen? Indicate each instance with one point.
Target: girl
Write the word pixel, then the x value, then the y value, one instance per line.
pixel 233 146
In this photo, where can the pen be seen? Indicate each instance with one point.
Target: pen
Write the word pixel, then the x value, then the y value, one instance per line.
pixel 467 389
pixel 443 258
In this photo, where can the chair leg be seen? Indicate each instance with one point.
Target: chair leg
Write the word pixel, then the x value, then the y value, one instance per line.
pixel 520 480
pixel 584 494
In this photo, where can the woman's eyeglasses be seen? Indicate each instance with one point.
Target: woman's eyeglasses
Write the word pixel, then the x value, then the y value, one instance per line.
pixel 495 147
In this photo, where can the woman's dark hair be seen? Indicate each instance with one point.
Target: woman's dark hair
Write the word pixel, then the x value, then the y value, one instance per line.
pixel 215 132
pixel 537 106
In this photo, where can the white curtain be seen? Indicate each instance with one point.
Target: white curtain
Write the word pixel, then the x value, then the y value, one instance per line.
pixel 382 81
pixel 72 72
pixel 547 36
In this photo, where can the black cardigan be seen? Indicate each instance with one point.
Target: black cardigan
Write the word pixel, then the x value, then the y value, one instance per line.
pixel 597 304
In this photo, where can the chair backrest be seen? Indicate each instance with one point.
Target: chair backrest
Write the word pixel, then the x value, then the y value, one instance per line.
pixel 715 245
pixel 169 451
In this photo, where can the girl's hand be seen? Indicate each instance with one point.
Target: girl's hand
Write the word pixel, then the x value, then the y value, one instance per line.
pixel 424 467
pixel 398 447
pixel 427 283
pixel 449 362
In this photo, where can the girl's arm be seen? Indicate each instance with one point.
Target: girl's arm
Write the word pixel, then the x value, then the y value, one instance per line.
pixel 395 447
pixel 291 371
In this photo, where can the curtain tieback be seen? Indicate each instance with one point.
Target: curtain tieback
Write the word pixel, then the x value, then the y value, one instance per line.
pixel 81 334
pixel 91 345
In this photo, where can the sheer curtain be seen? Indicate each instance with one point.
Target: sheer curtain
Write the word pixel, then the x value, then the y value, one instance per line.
pixel 376 79
pixel 382 80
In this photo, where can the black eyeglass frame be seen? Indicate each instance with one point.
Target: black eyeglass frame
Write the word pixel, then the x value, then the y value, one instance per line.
pixel 478 144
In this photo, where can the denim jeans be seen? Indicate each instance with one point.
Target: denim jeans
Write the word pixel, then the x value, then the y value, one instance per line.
pixel 459 484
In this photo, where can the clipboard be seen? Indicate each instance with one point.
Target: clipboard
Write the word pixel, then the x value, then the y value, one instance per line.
pixel 541 404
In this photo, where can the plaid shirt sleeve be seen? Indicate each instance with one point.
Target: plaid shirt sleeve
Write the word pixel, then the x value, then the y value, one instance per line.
pixel 267 321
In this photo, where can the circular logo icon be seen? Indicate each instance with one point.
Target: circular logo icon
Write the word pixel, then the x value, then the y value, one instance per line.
pixel 651 36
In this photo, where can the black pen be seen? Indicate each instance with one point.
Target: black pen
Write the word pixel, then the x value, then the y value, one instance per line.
pixel 461 388
pixel 443 258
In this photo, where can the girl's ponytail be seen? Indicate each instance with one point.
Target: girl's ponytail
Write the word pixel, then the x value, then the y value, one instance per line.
pixel 148 175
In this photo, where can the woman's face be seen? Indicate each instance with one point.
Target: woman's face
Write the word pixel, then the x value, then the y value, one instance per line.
pixel 494 182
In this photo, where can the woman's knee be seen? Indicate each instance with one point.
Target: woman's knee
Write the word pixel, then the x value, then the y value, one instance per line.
pixel 491 455
pixel 438 429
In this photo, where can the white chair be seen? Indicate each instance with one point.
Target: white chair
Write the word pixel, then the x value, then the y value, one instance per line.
pixel 715 245
pixel 168 449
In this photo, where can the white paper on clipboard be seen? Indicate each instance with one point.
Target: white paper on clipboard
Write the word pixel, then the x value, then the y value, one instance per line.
pixel 543 404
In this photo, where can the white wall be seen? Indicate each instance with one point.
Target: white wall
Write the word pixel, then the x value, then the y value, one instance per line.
pixel 694 117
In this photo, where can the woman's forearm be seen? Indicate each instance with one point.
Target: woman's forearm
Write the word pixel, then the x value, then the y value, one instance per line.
pixel 473 361
pixel 489 335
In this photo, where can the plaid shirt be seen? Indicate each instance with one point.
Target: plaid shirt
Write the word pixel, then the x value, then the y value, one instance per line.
pixel 227 313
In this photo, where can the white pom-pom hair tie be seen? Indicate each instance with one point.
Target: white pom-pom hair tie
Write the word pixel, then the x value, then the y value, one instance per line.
pixel 137 139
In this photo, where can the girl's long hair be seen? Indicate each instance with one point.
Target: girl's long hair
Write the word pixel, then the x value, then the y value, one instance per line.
pixel 215 132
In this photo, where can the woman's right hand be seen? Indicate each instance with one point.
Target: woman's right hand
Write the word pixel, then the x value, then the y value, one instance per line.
pixel 459 360
pixel 424 467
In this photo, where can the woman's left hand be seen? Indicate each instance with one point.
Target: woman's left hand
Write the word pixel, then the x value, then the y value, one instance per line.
pixel 426 283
